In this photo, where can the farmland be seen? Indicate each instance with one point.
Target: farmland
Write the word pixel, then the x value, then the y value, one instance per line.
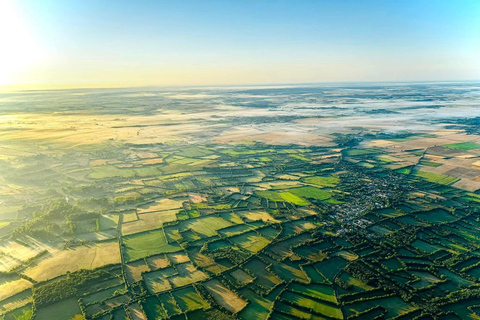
pixel 176 211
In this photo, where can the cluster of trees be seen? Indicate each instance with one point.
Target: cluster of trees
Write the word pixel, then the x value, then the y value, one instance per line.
pixel 347 140
pixel 128 198
pixel 46 221
pixel 228 253
pixel 473 124
pixel 49 292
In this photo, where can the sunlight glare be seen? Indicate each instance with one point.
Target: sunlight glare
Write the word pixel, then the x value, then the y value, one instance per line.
pixel 18 48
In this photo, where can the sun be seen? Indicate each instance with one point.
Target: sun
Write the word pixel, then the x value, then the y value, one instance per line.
pixel 19 49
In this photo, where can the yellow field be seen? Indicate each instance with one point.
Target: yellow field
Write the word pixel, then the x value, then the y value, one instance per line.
pixel 158 262
pixel 149 221
pixel 10 285
pixel 134 270
pixel 257 215
pixel 136 312
pixel 178 257
pixel 84 257
pixel 161 205
pixel 225 297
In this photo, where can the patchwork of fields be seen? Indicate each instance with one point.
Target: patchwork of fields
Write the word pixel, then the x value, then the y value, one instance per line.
pixel 159 218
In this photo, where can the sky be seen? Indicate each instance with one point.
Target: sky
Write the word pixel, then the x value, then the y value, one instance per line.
pixel 107 43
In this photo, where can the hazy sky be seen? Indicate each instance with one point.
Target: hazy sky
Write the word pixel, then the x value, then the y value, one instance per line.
pixel 123 43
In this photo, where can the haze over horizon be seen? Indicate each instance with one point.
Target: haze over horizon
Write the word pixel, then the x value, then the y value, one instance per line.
pixel 53 44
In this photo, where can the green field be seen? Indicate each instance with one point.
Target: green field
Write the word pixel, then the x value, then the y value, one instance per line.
pixel 120 314
pixel 283 196
pixel 258 307
pixel 436 216
pixel 169 304
pixel 430 163
pixel 250 241
pixel 311 193
pixel 424 246
pixel 157 281
pixel 437 178
pixel 264 277
pixel 317 306
pixel 270 195
pixel 234 230
pixel 146 244
pixel 206 226
pixel 153 309
pixel 356 284
pixel 188 299
pixel 331 267
pixel 394 305
pixel 323 181
pixel 108 221
pixel 314 275
pixel 292 198
pixel 102 295
pixel 406 170
pixel 187 274
pixel 362 152
pixel 102 172
pixel 296 312
pixel 22 313
pixel 424 279
pixel 380 230
pixel 316 291
pixel 4 224
pixel 195 152
pixel 463 146
pixel 64 310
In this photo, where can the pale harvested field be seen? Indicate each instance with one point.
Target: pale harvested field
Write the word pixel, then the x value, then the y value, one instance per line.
pixel 276 184
pixel 257 177
pixel 161 205
pixel 196 197
pixel 11 285
pixel 462 164
pixel 287 177
pixel 149 221
pixel 97 236
pixel 467 184
pixel 19 251
pixel 257 215
pixel 134 270
pixel 459 167
pixel 98 162
pixel 158 262
pixel 240 134
pixel 65 130
pixel 433 157
pixel 224 297
pixel 13 252
pixel 84 257
pixel 157 284
pixel 147 155
pixel 187 274
pixel 129 216
pixel 150 161
pixel 136 312
pixel 179 257
pixel 16 301
pixel 444 136
pixel 8 263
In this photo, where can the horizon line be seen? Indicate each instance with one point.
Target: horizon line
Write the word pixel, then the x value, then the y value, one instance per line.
pixel 91 85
